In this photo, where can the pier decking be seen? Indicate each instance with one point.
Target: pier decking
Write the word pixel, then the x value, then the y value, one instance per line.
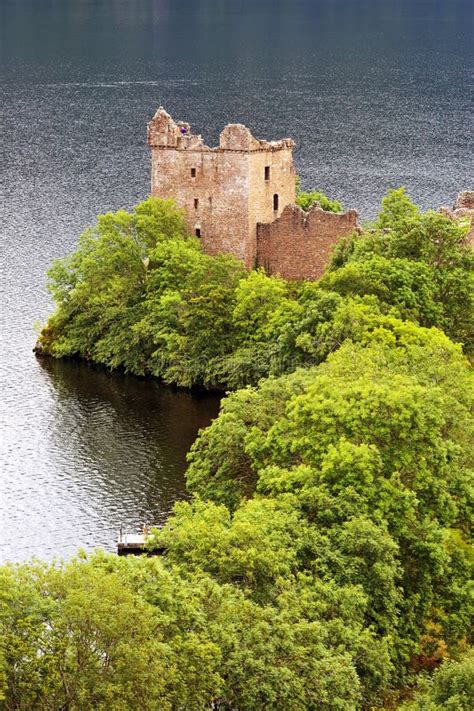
pixel 131 544
pixel 136 544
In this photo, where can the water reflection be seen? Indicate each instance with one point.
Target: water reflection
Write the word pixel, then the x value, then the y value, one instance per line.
pixel 115 451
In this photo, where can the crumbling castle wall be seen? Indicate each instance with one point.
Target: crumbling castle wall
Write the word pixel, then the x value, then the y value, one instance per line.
pixel 224 190
pixel 463 208
pixel 464 201
pixel 298 244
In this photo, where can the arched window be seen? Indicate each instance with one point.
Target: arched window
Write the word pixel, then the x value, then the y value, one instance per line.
pixel 275 202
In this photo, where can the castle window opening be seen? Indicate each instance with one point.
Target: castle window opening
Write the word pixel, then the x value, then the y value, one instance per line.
pixel 275 202
pixel 267 172
pixel 196 203
pixel 198 232
pixel 193 172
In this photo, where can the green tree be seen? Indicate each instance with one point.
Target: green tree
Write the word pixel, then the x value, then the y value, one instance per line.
pixel 417 262
pixel 451 689
pixel 139 294
pixel 99 290
pixel 79 636
pixel 396 209
pixel 306 200
pixel 111 633
pixel 380 431
pixel 190 328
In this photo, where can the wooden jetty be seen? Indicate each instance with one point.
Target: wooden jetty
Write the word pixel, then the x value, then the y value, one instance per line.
pixel 136 544
pixel 131 544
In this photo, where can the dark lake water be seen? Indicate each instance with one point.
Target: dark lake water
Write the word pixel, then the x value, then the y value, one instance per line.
pixel 376 93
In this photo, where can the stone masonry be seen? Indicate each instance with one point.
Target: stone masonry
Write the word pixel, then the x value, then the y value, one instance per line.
pixel 239 198
pixel 463 208
pixel 226 190
pixel 298 244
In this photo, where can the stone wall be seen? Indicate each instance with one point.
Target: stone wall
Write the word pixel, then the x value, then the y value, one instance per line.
pixel 224 190
pixel 464 201
pixel 463 208
pixel 298 244
pixel 278 165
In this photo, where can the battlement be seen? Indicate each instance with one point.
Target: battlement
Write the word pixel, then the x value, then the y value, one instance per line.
pixel 164 132
pixel 237 137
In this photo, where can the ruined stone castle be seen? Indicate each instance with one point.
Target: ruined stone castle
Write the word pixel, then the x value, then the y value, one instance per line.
pixel 239 198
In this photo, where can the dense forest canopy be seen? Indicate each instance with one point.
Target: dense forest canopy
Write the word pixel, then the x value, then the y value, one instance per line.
pixel 324 560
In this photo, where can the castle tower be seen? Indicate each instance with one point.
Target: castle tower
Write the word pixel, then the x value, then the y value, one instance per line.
pixel 226 190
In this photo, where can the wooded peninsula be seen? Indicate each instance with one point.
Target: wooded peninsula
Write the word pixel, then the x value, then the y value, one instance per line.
pixel 323 559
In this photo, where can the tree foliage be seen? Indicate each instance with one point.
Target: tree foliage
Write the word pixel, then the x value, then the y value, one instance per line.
pixel 119 634
pixel 376 441
pixel 451 689
pixel 418 262
pixel 306 200
pixel 139 294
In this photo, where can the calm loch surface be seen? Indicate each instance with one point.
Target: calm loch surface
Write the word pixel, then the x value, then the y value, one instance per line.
pixel 376 93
